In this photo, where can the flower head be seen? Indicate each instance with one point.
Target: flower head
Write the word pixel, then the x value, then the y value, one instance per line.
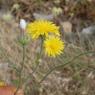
pixel 42 28
pixel 53 46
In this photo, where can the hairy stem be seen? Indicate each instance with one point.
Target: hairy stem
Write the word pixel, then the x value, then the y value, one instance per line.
pixel 63 65
pixel 39 55
pixel 21 70
pixel 22 63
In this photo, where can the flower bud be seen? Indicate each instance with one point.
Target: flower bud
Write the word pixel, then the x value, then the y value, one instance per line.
pixel 23 24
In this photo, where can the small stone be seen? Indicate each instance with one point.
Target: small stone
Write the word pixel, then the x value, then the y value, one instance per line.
pixel 89 30
pixel 88 33
pixel 67 27
pixel 42 16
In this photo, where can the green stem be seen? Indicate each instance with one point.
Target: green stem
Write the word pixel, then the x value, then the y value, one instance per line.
pixel 63 65
pixel 21 69
pixel 39 55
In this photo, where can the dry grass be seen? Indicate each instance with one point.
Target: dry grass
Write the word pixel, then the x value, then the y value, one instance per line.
pixel 75 78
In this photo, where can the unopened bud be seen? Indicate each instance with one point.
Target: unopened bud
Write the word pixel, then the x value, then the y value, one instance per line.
pixel 23 24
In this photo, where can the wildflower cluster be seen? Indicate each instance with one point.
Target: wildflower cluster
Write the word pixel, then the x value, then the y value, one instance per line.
pixel 53 45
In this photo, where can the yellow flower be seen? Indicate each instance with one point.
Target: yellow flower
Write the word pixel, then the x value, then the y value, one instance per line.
pixel 53 46
pixel 42 28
